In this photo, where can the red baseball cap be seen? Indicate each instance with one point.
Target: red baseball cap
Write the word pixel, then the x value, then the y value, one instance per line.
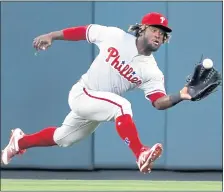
pixel 156 19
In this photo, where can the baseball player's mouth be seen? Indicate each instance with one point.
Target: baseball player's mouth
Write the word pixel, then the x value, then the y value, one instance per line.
pixel 156 42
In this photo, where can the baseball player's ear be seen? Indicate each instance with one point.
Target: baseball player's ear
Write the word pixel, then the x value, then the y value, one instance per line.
pixel 166 38
pixel 143 27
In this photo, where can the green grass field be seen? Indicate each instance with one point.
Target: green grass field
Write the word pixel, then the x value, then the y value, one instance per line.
pixel 108 185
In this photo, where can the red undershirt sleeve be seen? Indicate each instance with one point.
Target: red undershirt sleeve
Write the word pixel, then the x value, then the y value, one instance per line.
pixel 153 97
pixel 75 33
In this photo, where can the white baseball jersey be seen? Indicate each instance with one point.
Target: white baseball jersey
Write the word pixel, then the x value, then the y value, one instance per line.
pixel 118 67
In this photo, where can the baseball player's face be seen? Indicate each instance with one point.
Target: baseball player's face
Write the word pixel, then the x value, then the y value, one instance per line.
pixel 154 37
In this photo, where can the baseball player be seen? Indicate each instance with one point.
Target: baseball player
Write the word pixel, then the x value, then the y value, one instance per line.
pixel 125 62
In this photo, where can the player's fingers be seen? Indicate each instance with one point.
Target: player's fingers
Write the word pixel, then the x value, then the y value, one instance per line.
pixel 40 44
pixel 36 42
pixel 36 39
pixel 45 45
pixel 48 45
pixel 35 45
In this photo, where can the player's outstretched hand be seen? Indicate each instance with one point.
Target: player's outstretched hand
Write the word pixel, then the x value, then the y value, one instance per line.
pixel 184 94
pixel 42 42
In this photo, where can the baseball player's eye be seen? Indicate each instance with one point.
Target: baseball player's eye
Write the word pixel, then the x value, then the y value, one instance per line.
pixel 162 33
pixel 154 30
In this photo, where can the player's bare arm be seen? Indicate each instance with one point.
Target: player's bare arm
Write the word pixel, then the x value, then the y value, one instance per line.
pixel 43 42
pixel 168 101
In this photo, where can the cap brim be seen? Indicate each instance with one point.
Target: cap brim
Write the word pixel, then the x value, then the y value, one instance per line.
pixel 166 29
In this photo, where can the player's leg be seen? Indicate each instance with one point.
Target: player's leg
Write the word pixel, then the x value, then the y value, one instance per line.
pixel 72 130
pixel 106 106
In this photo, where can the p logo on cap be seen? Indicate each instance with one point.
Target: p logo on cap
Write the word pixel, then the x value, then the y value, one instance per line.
pixel 156 19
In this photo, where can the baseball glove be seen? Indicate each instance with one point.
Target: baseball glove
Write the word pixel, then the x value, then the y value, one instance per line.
pixel 203 82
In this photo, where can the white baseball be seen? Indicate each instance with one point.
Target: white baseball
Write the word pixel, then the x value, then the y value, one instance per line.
pixel 207 63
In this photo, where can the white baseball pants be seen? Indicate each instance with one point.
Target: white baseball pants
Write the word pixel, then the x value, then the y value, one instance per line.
pixel 88 109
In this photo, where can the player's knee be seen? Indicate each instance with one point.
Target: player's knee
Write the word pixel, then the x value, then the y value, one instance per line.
pixel 61 137
pixel 124 109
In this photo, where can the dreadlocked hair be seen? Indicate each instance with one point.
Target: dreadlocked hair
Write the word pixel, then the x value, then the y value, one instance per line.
pixel 137 29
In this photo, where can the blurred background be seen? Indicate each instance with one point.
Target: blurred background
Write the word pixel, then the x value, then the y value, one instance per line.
pixel 35 88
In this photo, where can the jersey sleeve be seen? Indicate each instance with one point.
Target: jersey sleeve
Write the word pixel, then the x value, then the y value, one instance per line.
pixel 96 33
pixel 154 84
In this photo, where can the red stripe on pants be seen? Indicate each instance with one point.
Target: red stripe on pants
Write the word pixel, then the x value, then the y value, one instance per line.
pixel 104 99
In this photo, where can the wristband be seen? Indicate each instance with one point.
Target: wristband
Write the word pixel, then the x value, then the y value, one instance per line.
pixel 175 99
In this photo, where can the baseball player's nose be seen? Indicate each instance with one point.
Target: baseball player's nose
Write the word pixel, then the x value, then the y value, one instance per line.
pixel 157 35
